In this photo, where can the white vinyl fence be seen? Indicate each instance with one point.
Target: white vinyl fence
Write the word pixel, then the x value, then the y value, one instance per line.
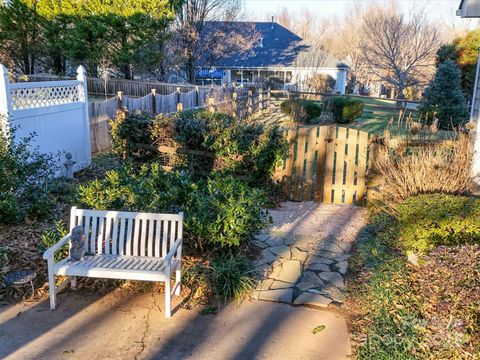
pixel 55 111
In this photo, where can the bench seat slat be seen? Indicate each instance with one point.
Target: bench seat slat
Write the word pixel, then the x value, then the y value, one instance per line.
pixel 114 267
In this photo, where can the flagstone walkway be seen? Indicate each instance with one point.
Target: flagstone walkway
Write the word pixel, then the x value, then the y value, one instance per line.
pixel 304 254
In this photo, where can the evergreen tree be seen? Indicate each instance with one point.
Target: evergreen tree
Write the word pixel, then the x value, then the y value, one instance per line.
pixel 444 96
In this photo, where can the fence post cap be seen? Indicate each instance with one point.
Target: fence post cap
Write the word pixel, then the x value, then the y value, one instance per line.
pixel 178 88
pixel 81 70
pixel 154 91
pixel 3 70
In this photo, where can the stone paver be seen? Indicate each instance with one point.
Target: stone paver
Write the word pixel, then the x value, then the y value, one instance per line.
pixel 304 255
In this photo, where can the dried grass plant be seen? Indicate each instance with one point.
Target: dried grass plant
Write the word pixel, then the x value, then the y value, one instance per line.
pixel 430 167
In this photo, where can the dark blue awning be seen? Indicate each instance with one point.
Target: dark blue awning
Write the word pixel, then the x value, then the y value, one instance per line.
pixel 210 73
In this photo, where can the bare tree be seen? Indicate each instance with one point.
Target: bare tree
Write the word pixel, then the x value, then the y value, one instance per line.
pixel 399 50
pixel 199 42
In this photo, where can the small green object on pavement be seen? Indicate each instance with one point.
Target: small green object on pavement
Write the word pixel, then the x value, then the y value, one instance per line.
pixel 318 329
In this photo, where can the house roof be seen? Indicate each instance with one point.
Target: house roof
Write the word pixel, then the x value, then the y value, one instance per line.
pixel 276 47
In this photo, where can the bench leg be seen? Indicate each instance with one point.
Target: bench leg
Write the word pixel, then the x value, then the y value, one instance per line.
pixel 178 282
pixel 168 298
pixel 73 282
pixel 51 284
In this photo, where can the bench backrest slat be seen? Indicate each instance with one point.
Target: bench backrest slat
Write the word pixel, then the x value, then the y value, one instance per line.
pixel 128 233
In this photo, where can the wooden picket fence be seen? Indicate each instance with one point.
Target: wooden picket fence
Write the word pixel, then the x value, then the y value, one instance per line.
pixel 132 88
pixel 239 102
pixel 326 164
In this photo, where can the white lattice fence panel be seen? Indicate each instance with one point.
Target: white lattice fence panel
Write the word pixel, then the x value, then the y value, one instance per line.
pixel 26 96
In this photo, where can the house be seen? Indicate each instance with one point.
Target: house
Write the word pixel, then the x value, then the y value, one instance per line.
pixel 469 9
pixel 278 55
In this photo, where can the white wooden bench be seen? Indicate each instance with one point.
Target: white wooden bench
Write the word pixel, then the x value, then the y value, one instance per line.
pixel 122 245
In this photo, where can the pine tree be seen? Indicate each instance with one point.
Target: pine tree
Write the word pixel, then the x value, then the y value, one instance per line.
pixel 444 96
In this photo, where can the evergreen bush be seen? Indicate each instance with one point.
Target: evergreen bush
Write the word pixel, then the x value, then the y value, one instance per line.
pixel 444 96
pixel 219 212
pixel 25 179
pixel 301 110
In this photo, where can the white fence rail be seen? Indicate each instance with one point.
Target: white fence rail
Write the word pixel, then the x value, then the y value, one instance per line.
pixel 55 111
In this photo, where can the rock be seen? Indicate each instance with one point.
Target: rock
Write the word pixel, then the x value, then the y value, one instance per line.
pixel 280 295
pixel 280 285
pixel 412 258
pixel 332 255
pixel 317 267
pixel 308 298
pixel 281 251
pixel 332 247
pixel 264 284
pixel 299 254
pixel 332 277
pixel 318 260
pixel 274 241
pixel 333 293
pixel 342 267
pixel 303 241
pixel 262 270
pixel 309 280
pixel 259 244
pixel 262 237
pixel 289 271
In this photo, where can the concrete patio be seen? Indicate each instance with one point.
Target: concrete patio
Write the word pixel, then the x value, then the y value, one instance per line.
pixel 126 325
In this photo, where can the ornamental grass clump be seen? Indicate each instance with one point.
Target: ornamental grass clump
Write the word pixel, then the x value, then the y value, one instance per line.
pixel 425 169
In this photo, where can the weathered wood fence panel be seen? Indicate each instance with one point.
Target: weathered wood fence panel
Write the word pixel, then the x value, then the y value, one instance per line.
pixel 153 103
pixel 327 164
pixel 127 87
pixel 100 113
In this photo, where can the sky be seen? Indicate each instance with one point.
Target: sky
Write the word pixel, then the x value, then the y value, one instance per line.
pixel 441 10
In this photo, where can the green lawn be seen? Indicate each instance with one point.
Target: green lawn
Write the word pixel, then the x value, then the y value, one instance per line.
pixel 377 114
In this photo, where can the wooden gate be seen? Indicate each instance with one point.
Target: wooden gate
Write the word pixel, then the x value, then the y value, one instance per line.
pixel 326 164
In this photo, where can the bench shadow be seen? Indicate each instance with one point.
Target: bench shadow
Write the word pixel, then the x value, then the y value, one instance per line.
pixel 35 321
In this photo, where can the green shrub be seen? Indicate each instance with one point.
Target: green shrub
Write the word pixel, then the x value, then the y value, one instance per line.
pixel 345 109
pixel 427 221
pixel 219 211
pixel 232 146
pixel 225 276
pixel 51 236
pixel 25 180
pixel 444 96
pixel 232 277
pixel 131 134
pixel 301 110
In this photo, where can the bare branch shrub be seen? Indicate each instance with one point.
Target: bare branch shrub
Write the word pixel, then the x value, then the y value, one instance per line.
pixel 429 168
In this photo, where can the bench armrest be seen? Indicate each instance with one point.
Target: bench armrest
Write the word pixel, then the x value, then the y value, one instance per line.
pixel 51 251
pixel 173 250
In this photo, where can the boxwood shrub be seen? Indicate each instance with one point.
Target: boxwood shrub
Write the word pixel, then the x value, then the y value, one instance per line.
pixel 427 221
pixel 345 109
pixel 25 179
pixel 301 110
pixel 220 212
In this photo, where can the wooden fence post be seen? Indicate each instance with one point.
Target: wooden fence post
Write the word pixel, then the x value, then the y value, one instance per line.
pixel 211 104
pixel 154 101
pixel 197 97
pixel 234 102
pixel 224 91
pixel 120 100
pixel 260 100
pixel 250 103
pixel 268 99
pixel 179 101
